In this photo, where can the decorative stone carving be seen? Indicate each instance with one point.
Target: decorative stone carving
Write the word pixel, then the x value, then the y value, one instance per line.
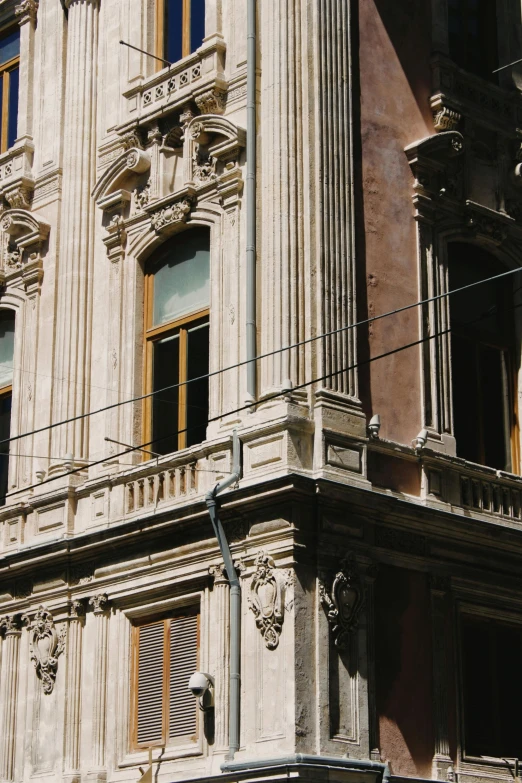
pixel 487 228
pixel 10 624
pixel 141 197
pixel 45 645
pixel 99 602
pixel 267 599
pixel 19 197
pixel 132 139
pixel 212 102
pixel 176 213
pixel 204 167
pixel 76 610
pixel 14 258
pixel 26 11
pixel 446 119
pixel 186 116
pixel 343 603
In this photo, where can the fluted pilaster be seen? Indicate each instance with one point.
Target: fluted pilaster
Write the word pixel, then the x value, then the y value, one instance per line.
pixel 74 272
pixel 8 699
pixel 335 203
pixel 73 693
pixel 99 717
pixel 281 189
pixel 221 614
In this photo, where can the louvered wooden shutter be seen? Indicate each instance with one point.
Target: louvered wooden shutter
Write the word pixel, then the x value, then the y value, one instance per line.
pixel 183 663
pixel 151 653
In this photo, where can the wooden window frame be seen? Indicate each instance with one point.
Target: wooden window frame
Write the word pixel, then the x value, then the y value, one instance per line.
pixel 166 619
pixel 5 71
pixel 152 334
pixel 160 29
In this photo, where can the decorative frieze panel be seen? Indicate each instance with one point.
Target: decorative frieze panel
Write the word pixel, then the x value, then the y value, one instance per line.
pixel 170 216
pixel 46 645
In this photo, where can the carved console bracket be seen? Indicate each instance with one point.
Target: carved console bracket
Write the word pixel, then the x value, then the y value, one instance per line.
pixel 26 11
pixel 435 166
pixel 113 190
pixel 45 644
pixel 343 602
pixel 23 237
pixel 267 598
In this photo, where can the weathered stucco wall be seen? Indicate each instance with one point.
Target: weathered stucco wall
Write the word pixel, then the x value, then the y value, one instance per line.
pixel 395 44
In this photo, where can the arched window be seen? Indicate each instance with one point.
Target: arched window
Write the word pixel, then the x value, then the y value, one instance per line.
pixel 482 331
pixel 177 298
pixel 7 330
pixel 180 28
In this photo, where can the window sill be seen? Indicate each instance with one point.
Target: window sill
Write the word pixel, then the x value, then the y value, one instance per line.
pixel 140 758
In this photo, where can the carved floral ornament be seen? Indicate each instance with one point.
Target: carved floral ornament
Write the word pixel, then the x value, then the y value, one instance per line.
pixel 169 216
pixel 267 598
pixel 344 601
pixel 45 645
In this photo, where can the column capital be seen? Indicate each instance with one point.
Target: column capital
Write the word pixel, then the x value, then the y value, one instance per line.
pixel 76 610
pixel 26 11
pixel 10 624
pixel 99 603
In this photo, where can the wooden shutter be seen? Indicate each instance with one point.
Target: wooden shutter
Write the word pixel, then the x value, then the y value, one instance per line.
pixel 183 663
pixel 151 660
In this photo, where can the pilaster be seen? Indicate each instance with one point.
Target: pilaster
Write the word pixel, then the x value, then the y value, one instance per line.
pixel 74 265
pixel 26 13
pixel 71 761
pixel 9 692
pixel 98 771
pixel 441 759
pixel 221 621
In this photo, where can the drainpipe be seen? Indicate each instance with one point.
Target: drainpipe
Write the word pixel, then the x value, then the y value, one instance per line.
pixel 251 202
pixel 235 597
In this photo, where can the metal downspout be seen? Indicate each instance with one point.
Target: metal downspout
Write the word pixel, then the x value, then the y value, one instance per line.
pixel 251 203
pixel 235 597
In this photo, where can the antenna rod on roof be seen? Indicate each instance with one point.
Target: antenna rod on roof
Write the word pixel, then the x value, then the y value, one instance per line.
pixel 142 51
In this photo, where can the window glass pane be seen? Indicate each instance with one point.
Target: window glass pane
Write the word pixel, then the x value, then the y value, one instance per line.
pixel 5 431
pixel 182 279
pixel 197 24
pixel 9 46
pixel 173 50
pixel 165 372
pixel 12 119
pixel 197 392
pixel 7 326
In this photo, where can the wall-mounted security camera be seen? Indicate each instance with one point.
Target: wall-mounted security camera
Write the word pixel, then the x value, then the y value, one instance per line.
pixel 374 426
pixel 201 686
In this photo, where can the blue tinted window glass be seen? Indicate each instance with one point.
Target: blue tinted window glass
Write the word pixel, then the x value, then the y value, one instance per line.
pixel 173 49
pixel 12 117
pixel 9 46
pixel 197 23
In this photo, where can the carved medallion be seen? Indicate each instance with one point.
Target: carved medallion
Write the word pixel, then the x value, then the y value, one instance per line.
pixel 343 603
pixel 46 644
pixel 266 598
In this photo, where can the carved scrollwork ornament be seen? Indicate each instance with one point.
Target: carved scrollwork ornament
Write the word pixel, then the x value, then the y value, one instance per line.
pixel 99 602
pixel 267 598
pixel 45 645
pixel 344 601
pixel 176 213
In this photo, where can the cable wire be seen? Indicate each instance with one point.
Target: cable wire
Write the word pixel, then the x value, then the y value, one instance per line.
pixel 324 335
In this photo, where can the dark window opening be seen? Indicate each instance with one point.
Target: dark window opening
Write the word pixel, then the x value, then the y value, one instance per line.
pixel 9 85
pixel 492 688
pixel 181 27
pixel 481 357
pixel 473 36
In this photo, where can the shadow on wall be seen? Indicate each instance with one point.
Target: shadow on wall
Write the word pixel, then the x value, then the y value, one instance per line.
pixel 409 28
pixel 404 670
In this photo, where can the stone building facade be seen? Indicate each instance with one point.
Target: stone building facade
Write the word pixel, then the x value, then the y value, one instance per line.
pixel 379 559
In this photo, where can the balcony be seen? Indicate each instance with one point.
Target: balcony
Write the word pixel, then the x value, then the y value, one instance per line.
pixel 190 79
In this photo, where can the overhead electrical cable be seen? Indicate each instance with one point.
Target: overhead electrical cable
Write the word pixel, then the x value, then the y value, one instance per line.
pixel 308 340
